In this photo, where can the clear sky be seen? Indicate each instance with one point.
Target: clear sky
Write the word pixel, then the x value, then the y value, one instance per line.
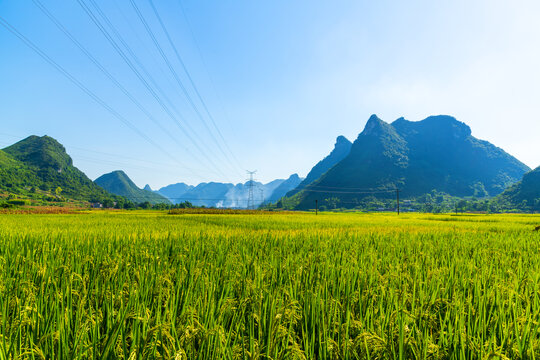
pixel 281 80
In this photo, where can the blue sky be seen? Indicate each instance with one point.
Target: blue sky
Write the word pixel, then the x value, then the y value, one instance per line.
pixel 281 80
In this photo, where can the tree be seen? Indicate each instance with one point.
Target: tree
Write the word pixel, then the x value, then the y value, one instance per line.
pixel 185 205
pixel 129 205
pixel 462 205
pixel 146 205
pixel 57 191
pixel 428 207
pixel 119 203
pixel 479 190
pixel 108 203
pixel 536 204
pixel 332 202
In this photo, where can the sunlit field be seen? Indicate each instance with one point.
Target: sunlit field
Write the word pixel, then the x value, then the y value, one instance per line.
pixel 146 285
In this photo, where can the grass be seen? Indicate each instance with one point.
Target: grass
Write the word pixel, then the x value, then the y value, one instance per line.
pixel 223 211
pixel 146 285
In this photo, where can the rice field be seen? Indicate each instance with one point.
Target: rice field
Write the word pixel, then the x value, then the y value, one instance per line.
pixel 151 285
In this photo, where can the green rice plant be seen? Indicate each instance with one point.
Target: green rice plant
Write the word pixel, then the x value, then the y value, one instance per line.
pixel 149 285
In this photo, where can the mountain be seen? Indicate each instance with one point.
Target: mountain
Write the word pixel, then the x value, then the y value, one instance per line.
pixel 524 195
pixel 6 160
pixel 437 153
pixel 238 195
pixel 41 152
pixel 117 182
pixel 39 166
pixel 271 187
pixel 206 194
pixel 147 188
pixel 340 151
pixel 216 194
pixel 174 192
pixel 285 187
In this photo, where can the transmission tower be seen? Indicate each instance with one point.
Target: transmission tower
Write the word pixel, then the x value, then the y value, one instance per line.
pixel 251 184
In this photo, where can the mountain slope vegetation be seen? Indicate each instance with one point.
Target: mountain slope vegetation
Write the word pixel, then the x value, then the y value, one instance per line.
pixel 40 165
pixel 118 183
pixel 438 153
pixel 524 195
pixel 340 151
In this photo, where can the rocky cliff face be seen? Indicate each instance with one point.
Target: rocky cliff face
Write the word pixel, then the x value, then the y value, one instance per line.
pixel 341 149
pixel 437 153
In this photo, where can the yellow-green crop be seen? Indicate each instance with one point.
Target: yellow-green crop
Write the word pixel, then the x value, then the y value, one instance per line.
pixel 106 285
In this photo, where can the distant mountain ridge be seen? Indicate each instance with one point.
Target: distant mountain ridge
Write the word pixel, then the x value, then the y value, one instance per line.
pixel 216 194
pixel 173 192
pixel 285 187
pixel 118 183
pixel 341 149
pixel 42 163
pixel 438 153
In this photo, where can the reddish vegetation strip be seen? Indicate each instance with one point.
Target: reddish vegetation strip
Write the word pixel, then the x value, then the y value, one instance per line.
pixel 41 210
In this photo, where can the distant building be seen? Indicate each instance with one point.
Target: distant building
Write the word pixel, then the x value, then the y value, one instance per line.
pixel 97 205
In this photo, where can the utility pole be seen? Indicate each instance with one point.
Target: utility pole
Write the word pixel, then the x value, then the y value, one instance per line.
pixel 251 200
pixel 316 207
pixel 397 197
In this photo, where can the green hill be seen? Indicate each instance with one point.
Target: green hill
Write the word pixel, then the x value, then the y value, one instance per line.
pixel 340 151
pixel 524 195
pixel 438 153
pixel 37 166
pixel 6 160
pixel 117 182
pixel 14 175
pixel 41 152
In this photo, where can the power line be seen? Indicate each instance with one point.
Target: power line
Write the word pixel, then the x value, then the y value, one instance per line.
pixel 350 192
pixel 347 188
pixel 141 160
pixel 107 73
pixel 122 165
pixel 115 45
pixel 116 156
pixel 175 75
pixel 364 191
pixel 212 83
pixel 179 58
pixel 126 59
pixel 169 65
pixel 207 71
pixel 80 85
